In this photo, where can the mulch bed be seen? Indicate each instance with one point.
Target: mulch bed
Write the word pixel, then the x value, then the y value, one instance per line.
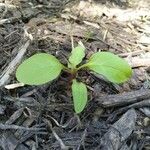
pixel 117 117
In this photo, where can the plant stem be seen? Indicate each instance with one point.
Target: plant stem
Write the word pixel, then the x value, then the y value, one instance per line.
pixel 66 69
pixel 83 66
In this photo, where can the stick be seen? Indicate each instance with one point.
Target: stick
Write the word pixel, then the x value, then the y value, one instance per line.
pixel 124 98
pixel 5 77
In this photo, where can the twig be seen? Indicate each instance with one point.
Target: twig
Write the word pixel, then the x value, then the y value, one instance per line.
pixel 15 127
pixel 5 77
pixel 13 86
pixel 123 99
pixel 7 5
pixel 9 20
pixel 62 145
pixel 82 139
pixel 144 103
pixel 134 53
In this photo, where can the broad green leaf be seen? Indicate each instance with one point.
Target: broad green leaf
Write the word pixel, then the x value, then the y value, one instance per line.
pixel 79 92
pixel 114 68
pixel 39 69
pixel 77 55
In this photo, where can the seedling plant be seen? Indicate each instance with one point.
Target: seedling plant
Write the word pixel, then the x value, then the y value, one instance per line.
pixel 42 68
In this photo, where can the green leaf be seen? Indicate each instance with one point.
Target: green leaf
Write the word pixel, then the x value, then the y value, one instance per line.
pixel 114 68
pixel 79 92
pixel 39 69
pixel 77 55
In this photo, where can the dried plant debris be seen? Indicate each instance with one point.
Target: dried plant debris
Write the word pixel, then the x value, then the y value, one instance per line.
pixel 124 98
pixel 36 118
pixel 119 132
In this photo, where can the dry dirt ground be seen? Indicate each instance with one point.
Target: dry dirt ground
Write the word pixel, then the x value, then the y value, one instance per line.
pixel 117 117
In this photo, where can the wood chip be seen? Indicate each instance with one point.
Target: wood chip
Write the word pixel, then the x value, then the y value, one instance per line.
pixel 123 98
pixel 14 86
pixel 119 132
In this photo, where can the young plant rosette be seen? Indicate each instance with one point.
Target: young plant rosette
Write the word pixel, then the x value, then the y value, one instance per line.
pixel 42 68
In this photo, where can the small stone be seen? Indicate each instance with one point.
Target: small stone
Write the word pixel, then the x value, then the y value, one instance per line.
pixel 146 121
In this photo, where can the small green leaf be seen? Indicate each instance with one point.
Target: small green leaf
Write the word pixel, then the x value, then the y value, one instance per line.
pixel 114 68
pixel 79 92
pixel 39 69
pixel 77 55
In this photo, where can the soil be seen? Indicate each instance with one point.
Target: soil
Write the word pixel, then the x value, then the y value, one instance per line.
pixel 117 117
